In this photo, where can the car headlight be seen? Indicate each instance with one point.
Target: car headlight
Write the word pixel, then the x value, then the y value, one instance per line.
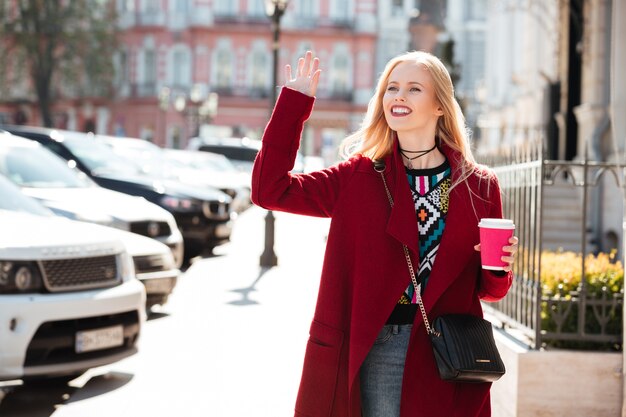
pixel 177 203
pixel 168 261
pixel 20 277
pixel 127 266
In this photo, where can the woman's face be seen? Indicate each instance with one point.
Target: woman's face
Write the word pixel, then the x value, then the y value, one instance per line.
pixel 409 101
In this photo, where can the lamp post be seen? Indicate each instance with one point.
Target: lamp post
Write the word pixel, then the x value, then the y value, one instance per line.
pixel 274 10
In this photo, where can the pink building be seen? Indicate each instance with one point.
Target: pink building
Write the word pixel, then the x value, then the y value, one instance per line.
pixel 176 53
pixel 191 67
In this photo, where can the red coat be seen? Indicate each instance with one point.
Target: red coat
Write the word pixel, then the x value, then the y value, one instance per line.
pixel 365 272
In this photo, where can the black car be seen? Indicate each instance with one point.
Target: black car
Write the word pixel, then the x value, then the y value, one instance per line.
pixel 203 215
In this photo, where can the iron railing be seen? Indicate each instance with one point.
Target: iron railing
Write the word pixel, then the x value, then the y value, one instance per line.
pixel 526 178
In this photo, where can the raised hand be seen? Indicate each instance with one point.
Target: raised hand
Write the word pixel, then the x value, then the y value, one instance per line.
pixel 307 75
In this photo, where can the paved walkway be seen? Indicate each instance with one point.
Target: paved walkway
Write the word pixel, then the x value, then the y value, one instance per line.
pixel 230 342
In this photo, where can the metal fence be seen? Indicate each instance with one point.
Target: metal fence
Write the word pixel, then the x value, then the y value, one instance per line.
pixel 534 315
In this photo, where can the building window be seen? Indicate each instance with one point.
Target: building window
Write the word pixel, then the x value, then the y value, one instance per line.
pixel 149 66
pixel 306 8
pixel 181 67
pixel 259 71
pixel 226 7
pixel 341 10
pixel 180 6
pixel 341 75
pixel 122 68
pixel 475 10
pixel 256 8
pixel 224 75
pixel 397 7
pixel 150 6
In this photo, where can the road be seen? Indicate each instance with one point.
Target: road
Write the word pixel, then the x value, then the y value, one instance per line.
pixel 229 343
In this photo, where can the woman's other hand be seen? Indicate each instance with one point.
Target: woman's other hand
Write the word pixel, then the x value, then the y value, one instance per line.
pixel 512 249
pixel 306 77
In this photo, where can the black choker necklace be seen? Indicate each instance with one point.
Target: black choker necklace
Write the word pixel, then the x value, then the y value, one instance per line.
pixel 404 153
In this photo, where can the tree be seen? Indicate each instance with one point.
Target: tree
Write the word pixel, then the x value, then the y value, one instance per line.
pixel 64 47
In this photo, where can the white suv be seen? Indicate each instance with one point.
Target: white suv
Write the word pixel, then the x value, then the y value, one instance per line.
pixel 68 297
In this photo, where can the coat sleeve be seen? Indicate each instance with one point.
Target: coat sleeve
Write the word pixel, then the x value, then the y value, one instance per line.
pixel 494 285
pixel 274 187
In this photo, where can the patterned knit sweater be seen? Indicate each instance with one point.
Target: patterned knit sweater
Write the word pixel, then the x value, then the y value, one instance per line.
pixel 430 194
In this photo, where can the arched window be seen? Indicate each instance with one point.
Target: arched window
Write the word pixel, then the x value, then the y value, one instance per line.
pixel 341 80
pixel 180 66
pixel 226 7
pixel 224 69
pixel 258 71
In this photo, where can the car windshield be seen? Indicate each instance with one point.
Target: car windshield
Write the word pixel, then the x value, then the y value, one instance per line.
pixel 149 158
pixel 200 160
pixel 99 158
pixel 13 200
pixel 34 166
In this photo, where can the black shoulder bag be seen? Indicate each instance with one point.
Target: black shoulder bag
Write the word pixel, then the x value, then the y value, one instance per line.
pixel 463 344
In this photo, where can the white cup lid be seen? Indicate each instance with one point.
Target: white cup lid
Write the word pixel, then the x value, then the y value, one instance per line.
pixel 497 223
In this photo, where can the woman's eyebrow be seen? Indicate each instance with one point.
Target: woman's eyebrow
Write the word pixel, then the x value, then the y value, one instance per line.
pixel 410 82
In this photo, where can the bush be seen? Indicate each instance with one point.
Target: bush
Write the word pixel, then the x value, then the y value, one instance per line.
pixel 561 284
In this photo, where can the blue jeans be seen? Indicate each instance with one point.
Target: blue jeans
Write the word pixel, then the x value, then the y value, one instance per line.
pixel 382 371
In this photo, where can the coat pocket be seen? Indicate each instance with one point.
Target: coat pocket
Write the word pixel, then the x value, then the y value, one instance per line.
pixel 320 370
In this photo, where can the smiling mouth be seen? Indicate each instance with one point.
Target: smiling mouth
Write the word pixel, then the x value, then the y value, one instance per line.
pixel 400 111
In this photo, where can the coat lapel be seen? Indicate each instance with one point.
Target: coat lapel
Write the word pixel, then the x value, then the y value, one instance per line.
pixel 402 223
pixel 458 240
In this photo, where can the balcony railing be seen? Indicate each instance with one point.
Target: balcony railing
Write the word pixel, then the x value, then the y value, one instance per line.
pixel 527 180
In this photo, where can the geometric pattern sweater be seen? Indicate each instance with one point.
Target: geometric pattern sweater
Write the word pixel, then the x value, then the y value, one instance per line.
pixel 430 188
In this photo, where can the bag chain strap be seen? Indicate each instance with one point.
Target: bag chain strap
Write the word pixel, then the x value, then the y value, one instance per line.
pixel 417 286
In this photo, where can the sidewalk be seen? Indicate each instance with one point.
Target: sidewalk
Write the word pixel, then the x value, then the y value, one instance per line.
pixel 231 341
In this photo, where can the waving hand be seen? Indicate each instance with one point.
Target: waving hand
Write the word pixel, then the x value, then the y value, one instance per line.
pixel 306 77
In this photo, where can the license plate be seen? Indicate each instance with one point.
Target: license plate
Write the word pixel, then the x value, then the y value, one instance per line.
pixel 158 286
pixel 104 338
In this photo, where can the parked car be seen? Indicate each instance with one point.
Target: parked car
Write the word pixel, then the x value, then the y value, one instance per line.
pixel 218 169
pixel 157 162
pixel 69 300
pixel 204 216
pixel 240 151
pixel 69 192
pixel 154 263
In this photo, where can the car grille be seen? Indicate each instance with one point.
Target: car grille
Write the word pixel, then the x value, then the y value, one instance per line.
pixel 151 228
pixel 216 210
pixel 81 273
pixel 53 343
pixel 149 263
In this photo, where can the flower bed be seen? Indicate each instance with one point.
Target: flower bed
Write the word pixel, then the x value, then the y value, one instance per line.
pixel 562 297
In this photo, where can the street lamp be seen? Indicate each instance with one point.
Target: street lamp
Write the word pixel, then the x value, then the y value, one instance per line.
pixel 274 10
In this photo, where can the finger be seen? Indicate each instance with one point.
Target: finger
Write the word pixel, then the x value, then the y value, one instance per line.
pixel 510 249
pixel 477 247
pixel 316 65
pixel 306 70
pixel 300 67
pixel 288 73
pixel 508 259
pixel 514 240
pixel 314 80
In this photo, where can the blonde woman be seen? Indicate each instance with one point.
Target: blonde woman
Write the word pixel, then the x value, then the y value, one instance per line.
pixel 368 353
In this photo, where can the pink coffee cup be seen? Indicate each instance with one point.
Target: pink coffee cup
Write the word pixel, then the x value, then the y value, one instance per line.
pixel 494 234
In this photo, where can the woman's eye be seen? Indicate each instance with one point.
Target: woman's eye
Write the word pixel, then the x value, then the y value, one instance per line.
pixel 392 88
pixel 415 89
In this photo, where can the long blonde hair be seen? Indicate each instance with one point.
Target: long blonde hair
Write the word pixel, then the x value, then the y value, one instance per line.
pixel 375 139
